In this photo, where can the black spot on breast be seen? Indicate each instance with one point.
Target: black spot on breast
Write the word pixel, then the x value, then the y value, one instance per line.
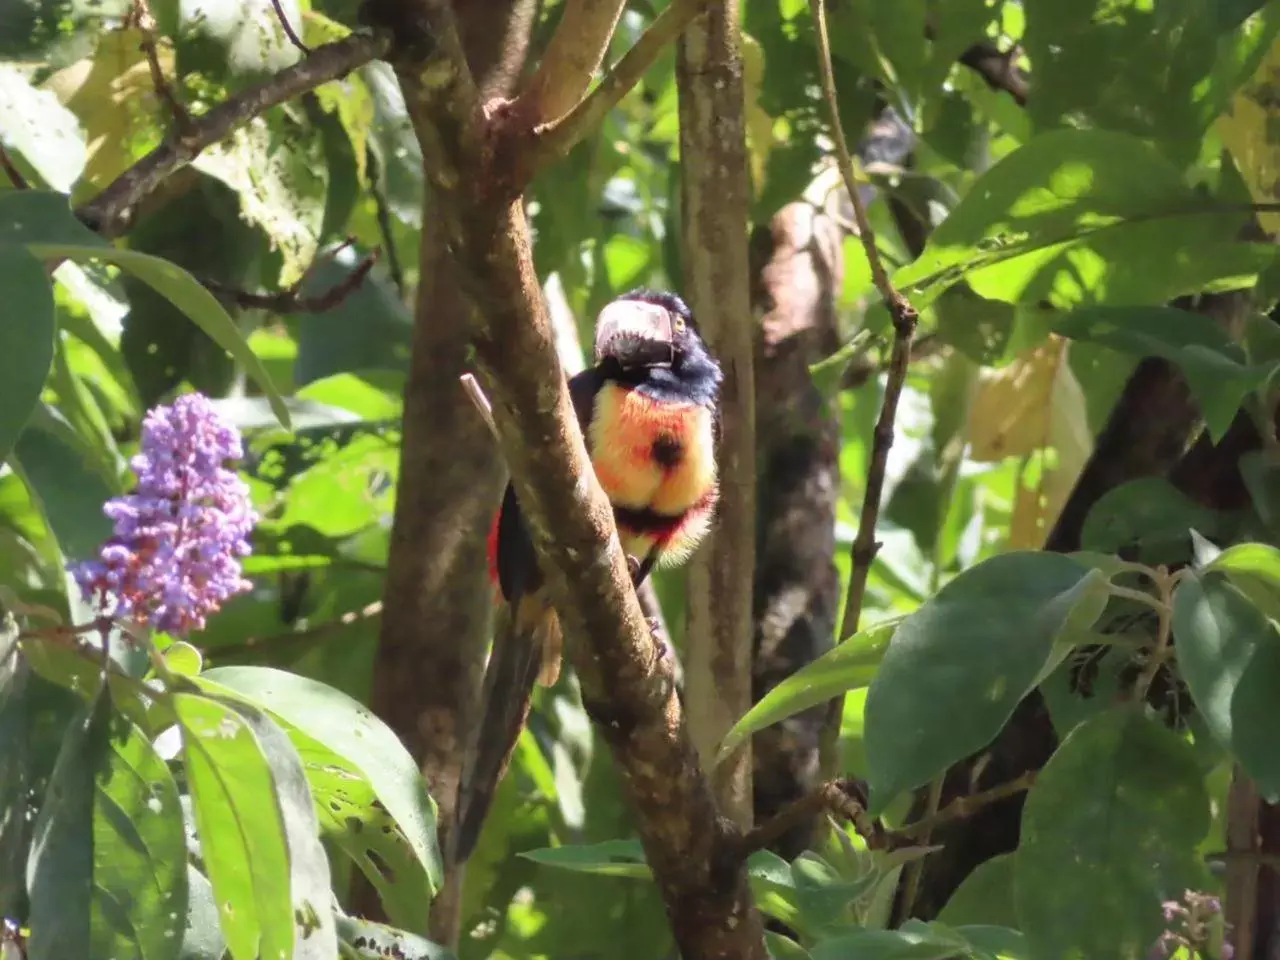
pixel 667 451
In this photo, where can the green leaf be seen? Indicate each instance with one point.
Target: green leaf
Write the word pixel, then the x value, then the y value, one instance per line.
pixel 183 659
pixel 1216 368
pixel 45 224
pixel 139 853
pixel 353 733
pixel 314 934
pixel 1255 570
pixel 367 940
pixel 610 858
pixel 1083 214
pixel 890 945
pixel 784 948
pixel 255 413
pixel 60 868
pixel 15 680
pixel 848 666
pixel 957 667
pixel 238 819
pixel 1229 655
pixel 69 492
pixel 26 339
pixel 985 896
pixel 346 491
pixel 1109 832
pixel 1148 516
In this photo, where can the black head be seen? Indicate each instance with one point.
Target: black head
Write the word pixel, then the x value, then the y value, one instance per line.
pixel 650 339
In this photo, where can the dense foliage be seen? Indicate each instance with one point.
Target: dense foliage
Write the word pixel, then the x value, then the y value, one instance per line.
pixel 174 788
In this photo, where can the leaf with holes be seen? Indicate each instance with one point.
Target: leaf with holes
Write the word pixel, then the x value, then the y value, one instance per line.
pixel 364 780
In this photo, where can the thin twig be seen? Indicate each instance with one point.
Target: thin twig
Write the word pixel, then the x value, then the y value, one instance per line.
pixel 476 394
pixel 394 269
pixel 999 69
pixel 865 546
pixel 292 299
pixel 1165 583
pixel 557 137
pixel 963 807
pixel 11 170
pixel 838 797
pixel 915 869
pixel 321 631
pixel 146 23
pixel 288 28
pixel 110 212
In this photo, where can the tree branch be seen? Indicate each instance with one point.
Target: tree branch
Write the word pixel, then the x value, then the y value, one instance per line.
pixel 840 798
pixel 146 24
pixel 998 69
pixel 292 300
pixel 571 59
pixel 557 137
pixel 111 211
pixel 288 28
pixel 716 196
pixel 627 688
pixel 11 170
pixel 865 546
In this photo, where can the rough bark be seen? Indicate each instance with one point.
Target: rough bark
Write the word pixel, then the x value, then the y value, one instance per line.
pixel 715 208
pixel 472 151
pixel 800 265
pixel 437 597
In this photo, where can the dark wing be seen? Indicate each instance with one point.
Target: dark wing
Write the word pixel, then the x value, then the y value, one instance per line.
pixel 526 628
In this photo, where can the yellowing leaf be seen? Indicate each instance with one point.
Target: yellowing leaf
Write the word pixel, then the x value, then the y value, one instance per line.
pixel 277 167
pixel 113 96
pixel 1250 133
pixel 1011 406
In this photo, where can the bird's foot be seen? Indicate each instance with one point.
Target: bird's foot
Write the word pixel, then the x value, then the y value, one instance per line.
pixel 655 631
pixel 633 567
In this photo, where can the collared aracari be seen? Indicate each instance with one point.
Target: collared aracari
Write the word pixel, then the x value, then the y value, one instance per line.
pixel 649 411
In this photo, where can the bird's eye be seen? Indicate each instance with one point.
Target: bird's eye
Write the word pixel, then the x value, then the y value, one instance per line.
pixel 678 325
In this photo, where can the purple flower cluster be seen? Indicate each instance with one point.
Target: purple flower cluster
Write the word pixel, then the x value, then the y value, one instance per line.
pixel 1189 925
pixel 175 555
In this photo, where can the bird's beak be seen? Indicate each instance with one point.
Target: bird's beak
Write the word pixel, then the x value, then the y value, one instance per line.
pixel 636 334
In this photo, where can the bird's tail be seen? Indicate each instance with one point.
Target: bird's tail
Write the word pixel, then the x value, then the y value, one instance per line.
pixel 527 649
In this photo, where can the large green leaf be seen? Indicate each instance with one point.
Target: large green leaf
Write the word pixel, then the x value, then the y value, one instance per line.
pixel 314 935
pixel 957 667
pixel 353 733
pixel 44 223
pixel 69 492
pixel 26 339
pixel 139 853
pixel 15 680
pixel 1229 654
pixel 1077 215
pixel 60 868
pixel 849 666
pixel 238 819
pixel 1109 832
pixel 1216 368
pixel 609 858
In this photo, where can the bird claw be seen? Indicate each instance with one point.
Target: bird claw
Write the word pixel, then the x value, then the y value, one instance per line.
pixel 633 567
pixel 655 631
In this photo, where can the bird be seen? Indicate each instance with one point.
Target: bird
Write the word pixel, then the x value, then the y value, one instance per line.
pixel 649 409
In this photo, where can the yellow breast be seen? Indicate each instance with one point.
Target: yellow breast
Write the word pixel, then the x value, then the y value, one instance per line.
pixel 650 455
